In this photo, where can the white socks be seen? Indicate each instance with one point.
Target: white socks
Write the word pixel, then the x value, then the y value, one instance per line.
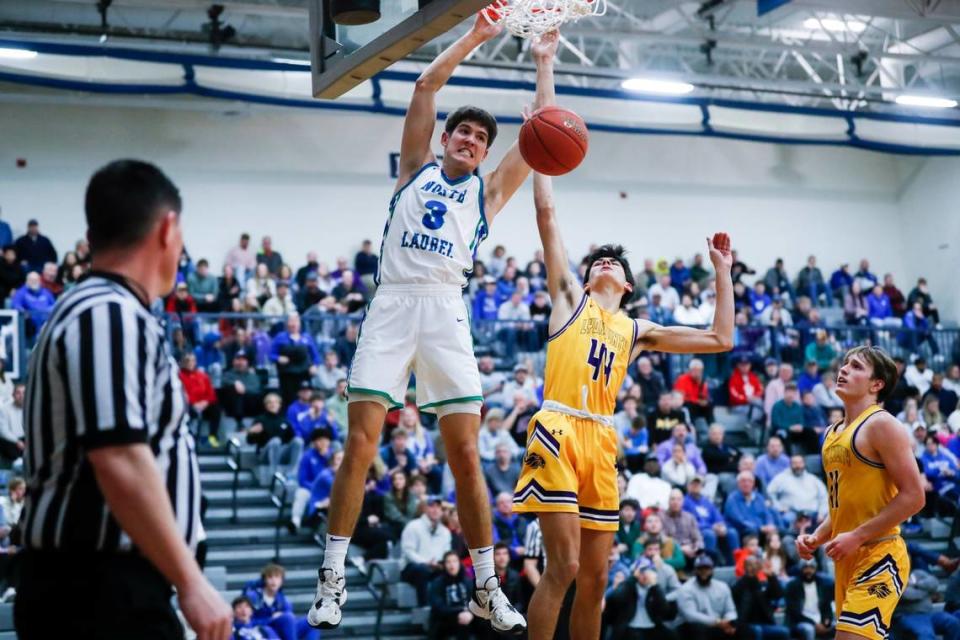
pixel 482 565
pixel 335 554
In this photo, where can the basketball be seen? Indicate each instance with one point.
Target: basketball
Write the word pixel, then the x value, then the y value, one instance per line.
pixel 554 141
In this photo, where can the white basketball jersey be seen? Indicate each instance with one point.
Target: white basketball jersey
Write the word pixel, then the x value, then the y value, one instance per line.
pixel 435 226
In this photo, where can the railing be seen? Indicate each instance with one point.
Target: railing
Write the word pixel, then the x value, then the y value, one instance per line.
pixel 279 500
pixel 381 596
pixel 234 454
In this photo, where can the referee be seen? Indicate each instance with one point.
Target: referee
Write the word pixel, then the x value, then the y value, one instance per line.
pixel 112 509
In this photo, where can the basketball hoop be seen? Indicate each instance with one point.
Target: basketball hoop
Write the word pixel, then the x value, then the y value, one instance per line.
pixel 528 18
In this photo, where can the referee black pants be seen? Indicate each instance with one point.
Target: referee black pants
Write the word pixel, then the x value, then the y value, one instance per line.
pixel 96 596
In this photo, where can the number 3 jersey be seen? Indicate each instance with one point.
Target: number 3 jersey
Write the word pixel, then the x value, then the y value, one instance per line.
pixel 435 226
pixel 587 359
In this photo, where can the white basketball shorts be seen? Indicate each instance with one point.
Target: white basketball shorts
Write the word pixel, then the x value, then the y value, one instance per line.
pixel 419 328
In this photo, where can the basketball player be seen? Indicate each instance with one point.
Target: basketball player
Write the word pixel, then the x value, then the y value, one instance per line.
pixel 873 484
pixel 417 320
pixel 569 476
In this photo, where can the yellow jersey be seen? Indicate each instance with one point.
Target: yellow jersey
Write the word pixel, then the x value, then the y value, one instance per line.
pixel 857 488
pixel 587 358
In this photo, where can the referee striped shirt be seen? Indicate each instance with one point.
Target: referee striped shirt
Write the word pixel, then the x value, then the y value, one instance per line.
pixel 101 374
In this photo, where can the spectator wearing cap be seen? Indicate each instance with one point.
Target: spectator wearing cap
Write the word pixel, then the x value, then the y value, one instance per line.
pixel 281 304
pixel 636 607
pixel 648 488
pixel 696 393
pixel 34 249
pixel 809 377
pixel 330 373
pixel 706 605
pixel 424 542
pixel 713 528
pixel 493 434
pixel 630 529
pixel 314 460
pixel 747 510
pixel 502 474
pixel 240 390
pixel 744 387
pixel 242 258
pixel 918 375
pixel 522 382
pixel 273 260
pixel 487 303
pixel 796 491
pixel 810 282
pixel 755 597
pixel 301 402
pixel 682 527
pixel 296 355
pixel 809 599
pixel 310 292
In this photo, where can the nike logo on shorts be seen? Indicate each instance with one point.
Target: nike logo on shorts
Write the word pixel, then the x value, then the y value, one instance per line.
pixel 459 319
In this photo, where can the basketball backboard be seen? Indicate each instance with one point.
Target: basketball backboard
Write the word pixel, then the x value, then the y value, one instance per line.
pixel 344 56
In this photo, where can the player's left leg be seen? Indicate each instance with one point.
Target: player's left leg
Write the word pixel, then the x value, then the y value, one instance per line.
pixel 591 583
pixel 460 433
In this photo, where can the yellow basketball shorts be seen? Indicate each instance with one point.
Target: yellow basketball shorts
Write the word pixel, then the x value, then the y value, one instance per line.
pixel 570 466
pixel 869 585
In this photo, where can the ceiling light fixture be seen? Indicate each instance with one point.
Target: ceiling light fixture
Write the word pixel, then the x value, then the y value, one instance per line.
pixel 931 102
pixel 17 54
pixel 650 85
pixel 834 24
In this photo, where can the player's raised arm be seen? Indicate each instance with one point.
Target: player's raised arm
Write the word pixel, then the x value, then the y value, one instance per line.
pixel 565 291
pixel 422 114
pixel 717 338
pixel 504 181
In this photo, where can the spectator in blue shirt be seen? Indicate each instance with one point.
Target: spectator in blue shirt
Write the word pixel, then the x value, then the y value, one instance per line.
pixel 814 420
pixel 34 301
pixel 301 403
pixel 322 486
pixel 919 330
pixel 488 300
pixel 679 435
pixel 879 309
pixel 296 356
pixel 841 280
pixel 867 279
pixel 809 377
pixel 397 455
pixel 243 626
pixel 941 470
pixel 6 235
pixel 314 460
pixel 773 461
pixel 509 527
pixel 747 510
pixel 316 417
pixel 679 274
pixel 712 526
pixel 759 299
pixel 659 313
pixel 271 608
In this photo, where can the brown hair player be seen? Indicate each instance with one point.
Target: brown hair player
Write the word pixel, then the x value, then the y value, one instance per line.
pixel 417 321
pixel 873 484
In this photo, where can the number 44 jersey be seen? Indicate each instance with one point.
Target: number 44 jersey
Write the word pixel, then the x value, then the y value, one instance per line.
pixel 435 226
pixel 587 359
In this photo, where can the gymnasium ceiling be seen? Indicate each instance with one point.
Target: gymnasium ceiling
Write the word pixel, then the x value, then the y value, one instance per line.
pixel 847 55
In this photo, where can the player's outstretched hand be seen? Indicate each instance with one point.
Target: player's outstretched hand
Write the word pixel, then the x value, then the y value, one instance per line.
pixel 486 30
pixel 806 545
pixel 719 247
pixel 206 612
pixel 545 46
pixel 842 546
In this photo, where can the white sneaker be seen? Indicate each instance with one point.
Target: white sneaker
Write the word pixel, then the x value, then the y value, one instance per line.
pixel 331 595
pixel 491 604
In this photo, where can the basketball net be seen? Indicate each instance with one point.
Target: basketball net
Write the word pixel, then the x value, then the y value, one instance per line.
pixel 529 18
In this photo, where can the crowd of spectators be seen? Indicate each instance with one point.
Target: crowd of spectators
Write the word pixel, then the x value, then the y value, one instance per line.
pixel 691 502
